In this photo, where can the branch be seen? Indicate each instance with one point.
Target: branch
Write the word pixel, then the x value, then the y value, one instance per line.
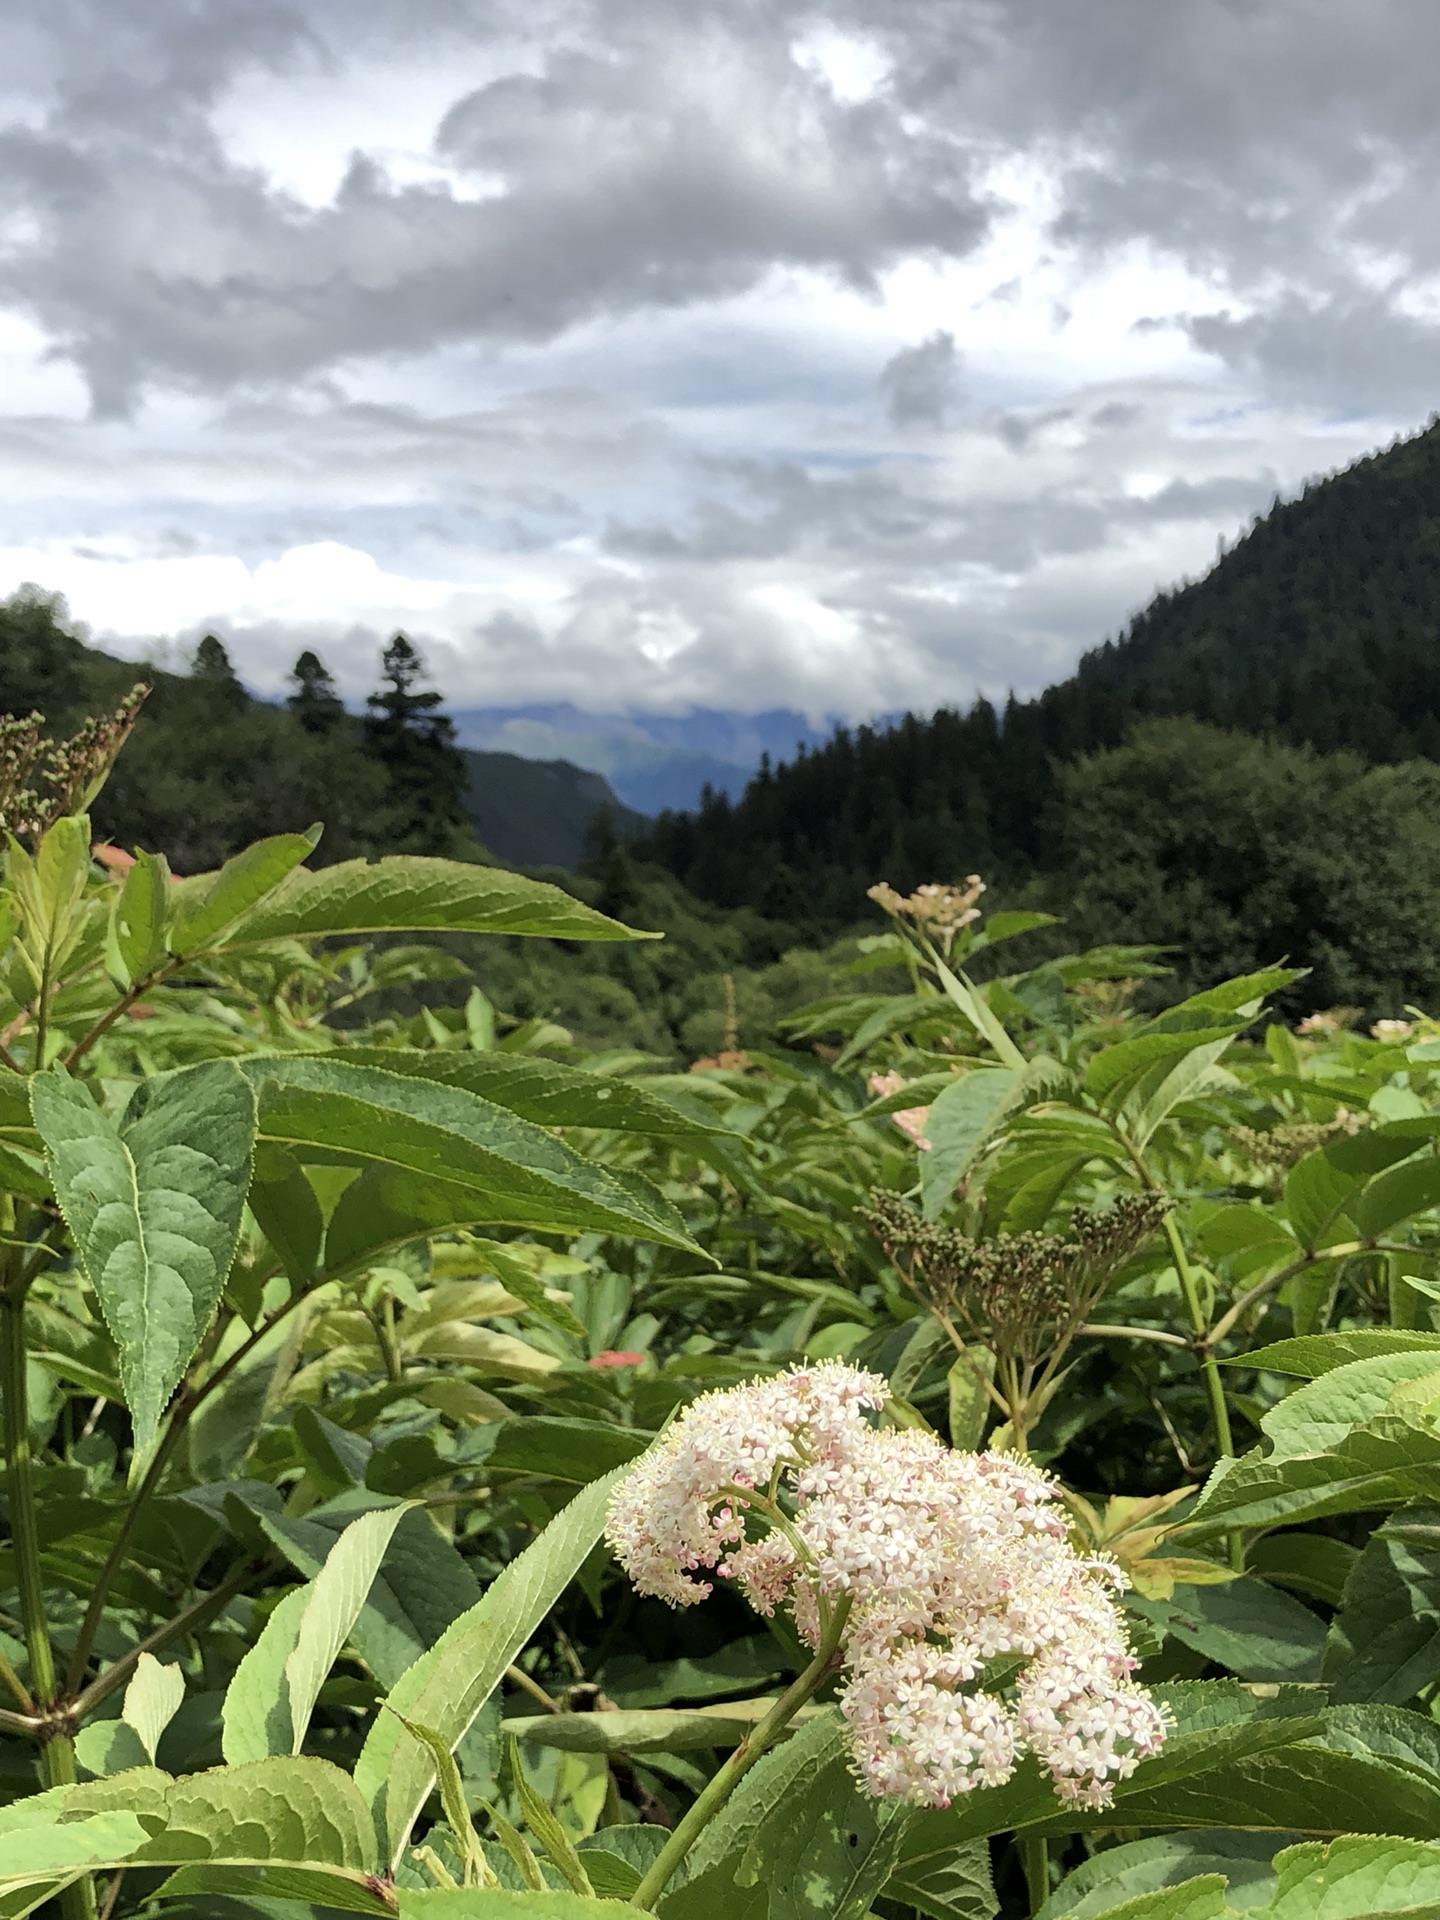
pixel 198 1614
pixel 1101 1332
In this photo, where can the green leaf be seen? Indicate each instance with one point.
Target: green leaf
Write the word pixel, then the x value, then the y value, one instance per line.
pixel 210 903
pixel 1385 1639
pixel 423 1587
pixel 960 1122
pixel 1382 1464
pixel 483 1904
pixel 647 1730
pixel 1316 1193
pixel 287 1211
pixel 435 1157
pixel 544 1091
pixel 1200 1899
pixel 1396 1195
pixel 558 1847
pixel 154 1209
pixel 1310 1563
pixel 948 1883
pixel 1116 1067
pixel 969 1403
pixel 50 891
pixel 1358 1878
pixel 1108 1879
pixel 973 1004
pixel 578 1451
pixel 1255 1630
pixel 152 1700
pixel 1188 1079
pixel 447 1686
pixel 410 893
pixel 337 1594
pixel 108 1747
pixel 797 1839
pixel 137 920
pixel 1317 1416
pixel 452 1799
pixel 1319 1353
pixel 255 1714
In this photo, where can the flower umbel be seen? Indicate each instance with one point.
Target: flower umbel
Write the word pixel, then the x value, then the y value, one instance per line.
pixel 946 1562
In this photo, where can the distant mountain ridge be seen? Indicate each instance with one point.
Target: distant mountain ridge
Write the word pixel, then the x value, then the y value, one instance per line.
pixel 654 762
pixel 1320 627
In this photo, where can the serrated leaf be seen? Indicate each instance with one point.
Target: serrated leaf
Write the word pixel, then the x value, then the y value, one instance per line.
pixel 434 1157
pixel 206 905
pixel 959 1123
pixel 452 1800
pixel 255 1713
pixel 287 1211
pixel 1117 1874
pixel 557 1845
pixel 447 1686
pixel 1357 1878
pixel 407 893
pixel 545 1092
pixel 137 920
pixel 1116 1067
pixel 154 1208
pixel 1396 1195
pixel 1255 1630
pixel 1320 1353
pixel 337 1594
pixel 1384 1641
pixel 1188 1079
pixel 951 1883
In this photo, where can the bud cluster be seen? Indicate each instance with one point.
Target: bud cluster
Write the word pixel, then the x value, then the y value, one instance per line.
pixel 937 910
pixel 41 780
pixel 1022 1292
pixel 946 1563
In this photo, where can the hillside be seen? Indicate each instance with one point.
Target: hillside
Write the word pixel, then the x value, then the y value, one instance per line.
pixel 211 768
pixel 1321 627
pixel 533 813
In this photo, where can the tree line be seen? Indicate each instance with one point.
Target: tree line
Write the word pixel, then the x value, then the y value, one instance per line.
pixel 210 768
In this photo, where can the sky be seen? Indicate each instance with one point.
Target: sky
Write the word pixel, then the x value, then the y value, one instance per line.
pixel 652 355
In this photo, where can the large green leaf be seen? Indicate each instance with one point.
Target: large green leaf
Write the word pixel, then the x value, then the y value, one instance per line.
pixel 446 1687
pixel 1396 1195
pixel 1318 1353
pixel 434 1157
pixel 479 1903
pixel 154 1208
pixel 137 920
pixel 960 1122
pixel 211 902
pixel 1319 1415
pixel 1118 1874
pixel 575 1450
pixel 1385 1638
pixel 1382 1464
pixel 1192 1075
pixel 1115 1069
pixel 424 1584
pixel 544 1091
pixel 410 893
pixel 798 1839
pixel 1255 1630
pixel 948 1883
pixel 1358 1878
pixel 654 1730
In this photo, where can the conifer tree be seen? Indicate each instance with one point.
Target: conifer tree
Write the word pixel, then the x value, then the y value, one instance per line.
pixel 315 702
pixel 212 669
pixel 414 742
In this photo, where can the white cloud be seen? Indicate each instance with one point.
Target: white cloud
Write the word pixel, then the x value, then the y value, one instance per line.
pixel 663 355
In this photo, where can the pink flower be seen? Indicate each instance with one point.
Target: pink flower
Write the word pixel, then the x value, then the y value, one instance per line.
pixel 948 1560
pixel 618 1357
pixel 912 1119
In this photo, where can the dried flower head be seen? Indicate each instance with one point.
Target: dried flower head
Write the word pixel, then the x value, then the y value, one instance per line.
pixel 42 780
pixel 1024 1293
pixel 1392 1029
pixel 1282 1146
pixel 937 910
pixel 943 1563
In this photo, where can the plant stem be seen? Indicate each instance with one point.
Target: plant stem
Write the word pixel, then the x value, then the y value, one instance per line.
pixel 719 1789
pixel 57 1754
pixel 1035 1864
pixel 198 1614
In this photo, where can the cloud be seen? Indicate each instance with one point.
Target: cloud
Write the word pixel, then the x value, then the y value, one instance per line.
pixel 921 384
pixel 553 333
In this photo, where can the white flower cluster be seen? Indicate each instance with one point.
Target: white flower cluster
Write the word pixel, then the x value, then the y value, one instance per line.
pixel 948 1561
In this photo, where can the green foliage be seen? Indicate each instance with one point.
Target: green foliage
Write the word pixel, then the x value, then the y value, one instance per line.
pixel 325 1338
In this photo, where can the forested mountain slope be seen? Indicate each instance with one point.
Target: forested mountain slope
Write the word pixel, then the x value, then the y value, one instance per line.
pixel 1321 627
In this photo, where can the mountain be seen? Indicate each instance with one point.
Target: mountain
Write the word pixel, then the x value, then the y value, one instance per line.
pixel 652 761
pixel 1320 627
pixel 533 813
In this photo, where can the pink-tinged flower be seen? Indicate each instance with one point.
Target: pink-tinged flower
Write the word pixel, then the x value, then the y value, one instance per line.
pixel 947 1561
pixel 618 1357
pixel 910 1120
